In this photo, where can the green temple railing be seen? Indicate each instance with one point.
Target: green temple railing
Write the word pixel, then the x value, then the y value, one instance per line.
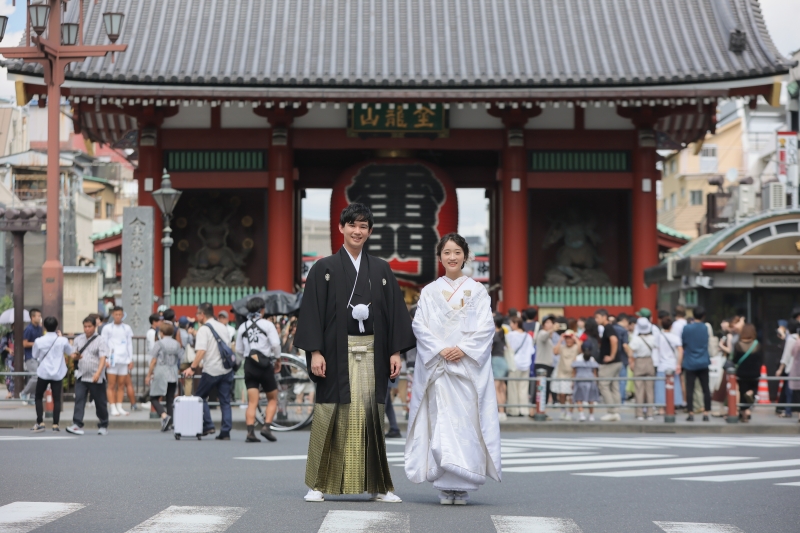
pixel 580 296
pixel 212 295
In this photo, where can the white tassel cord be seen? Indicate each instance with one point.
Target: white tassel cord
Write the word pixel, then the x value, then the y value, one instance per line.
pixel 361 313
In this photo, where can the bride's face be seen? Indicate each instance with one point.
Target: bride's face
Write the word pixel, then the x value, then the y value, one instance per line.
pixel 453 259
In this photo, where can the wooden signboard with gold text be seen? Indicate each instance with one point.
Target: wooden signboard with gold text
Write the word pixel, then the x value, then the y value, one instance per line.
pixel 398 120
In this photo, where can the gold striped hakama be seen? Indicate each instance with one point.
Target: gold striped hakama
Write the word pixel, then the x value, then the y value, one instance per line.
pixel 346 451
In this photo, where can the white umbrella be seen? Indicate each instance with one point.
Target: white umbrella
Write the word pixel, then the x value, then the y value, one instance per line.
pixel 8 316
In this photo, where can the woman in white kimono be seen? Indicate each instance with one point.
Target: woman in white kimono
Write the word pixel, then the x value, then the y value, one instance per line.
pixel 453 430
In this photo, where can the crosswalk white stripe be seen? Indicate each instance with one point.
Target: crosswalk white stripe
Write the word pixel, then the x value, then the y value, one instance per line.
pixel 633 444
pixel 190 519
pixel 619 464
pixel 582 459
pixel 21 517
pixel 365 521
pixel 534 524
pixel 792 484
pixel 275 458
pixel 505 456
pixel 548 446
pixel 694 527
pixel 745 477
pixel 677 471
pixel 741 442
pixel 4 439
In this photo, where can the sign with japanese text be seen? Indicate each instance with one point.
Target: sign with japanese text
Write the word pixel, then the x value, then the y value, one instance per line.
pixel 398 119
pixel 787 155
pixel 137 267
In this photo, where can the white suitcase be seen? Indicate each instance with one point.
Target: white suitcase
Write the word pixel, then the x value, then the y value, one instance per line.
pixel 188 417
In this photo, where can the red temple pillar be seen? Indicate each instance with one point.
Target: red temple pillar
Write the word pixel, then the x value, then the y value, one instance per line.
pixel 280 207
pixel 514 237
pixel 514 209
pixel 644 220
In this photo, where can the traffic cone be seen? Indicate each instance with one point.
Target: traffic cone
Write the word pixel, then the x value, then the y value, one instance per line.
pixel 763 389
pixel 48 403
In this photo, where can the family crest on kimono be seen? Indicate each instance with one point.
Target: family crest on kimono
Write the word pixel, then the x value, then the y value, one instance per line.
pixel 453 436
pixel 353 325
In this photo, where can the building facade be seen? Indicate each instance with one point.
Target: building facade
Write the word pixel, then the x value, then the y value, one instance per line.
pixel 555 109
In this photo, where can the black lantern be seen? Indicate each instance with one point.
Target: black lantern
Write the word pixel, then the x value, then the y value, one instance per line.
pixel 113 25
pixel 39 13
pixel 69 33
pixel 3 24
pixel 166 197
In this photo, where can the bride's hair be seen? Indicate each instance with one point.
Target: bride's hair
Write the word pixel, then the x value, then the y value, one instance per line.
pixel 460 241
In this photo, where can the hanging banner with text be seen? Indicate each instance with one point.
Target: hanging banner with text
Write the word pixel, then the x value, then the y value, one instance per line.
pixel 787 156
pixel 398 120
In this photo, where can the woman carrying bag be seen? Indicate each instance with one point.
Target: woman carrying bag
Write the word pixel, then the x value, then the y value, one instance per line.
pixel 162 376
pixel 748 358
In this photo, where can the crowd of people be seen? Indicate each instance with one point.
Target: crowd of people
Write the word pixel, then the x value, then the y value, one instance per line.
pixel 99 362
pixel 575 355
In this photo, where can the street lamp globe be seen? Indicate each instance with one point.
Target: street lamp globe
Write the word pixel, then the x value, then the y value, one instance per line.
pixel 39 14
pixel 166 197
pixel 3 24
pixel 113 24
pixel 69 33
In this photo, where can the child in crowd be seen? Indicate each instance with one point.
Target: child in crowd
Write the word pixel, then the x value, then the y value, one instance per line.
pixel 568 352
pixel 585 392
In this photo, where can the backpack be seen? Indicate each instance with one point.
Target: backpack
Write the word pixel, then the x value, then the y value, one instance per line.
pixel 229 359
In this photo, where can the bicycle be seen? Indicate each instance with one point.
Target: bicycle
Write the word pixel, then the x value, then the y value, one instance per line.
pixel 292 380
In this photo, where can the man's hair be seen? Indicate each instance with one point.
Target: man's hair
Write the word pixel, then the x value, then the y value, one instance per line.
pixel 549 318
pixel 356 212
pixel 531 313
pixel 623 316
pixel 666 323
pixel 117 308
pixel 89 319
pixel 795 312
pixel 680 311
pixel 699 312
pixel 167 328
pixel 155 317
pixel 33 311
pixel 254 305
pixel 50 324
pixel 512 311
pixel 169 314
pixel 601 312
pixel 207 309
pixel 663 314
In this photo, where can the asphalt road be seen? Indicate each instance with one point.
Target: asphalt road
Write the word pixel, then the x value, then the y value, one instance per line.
pixel 580 482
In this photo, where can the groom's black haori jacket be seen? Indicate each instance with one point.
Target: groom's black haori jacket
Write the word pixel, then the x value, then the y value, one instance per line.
pixel 324 315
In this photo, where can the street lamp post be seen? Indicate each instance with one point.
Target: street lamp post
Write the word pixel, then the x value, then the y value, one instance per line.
pixel 55 51
pixel 166 198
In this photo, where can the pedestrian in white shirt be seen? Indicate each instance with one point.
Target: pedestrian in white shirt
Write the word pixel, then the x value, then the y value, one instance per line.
pixel 670 355
pixel 49 351
pixel 119 338
pixel 214 374
pixel 152 334
pixel 258 342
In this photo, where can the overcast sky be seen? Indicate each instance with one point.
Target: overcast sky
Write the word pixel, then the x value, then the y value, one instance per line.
pixel 782 18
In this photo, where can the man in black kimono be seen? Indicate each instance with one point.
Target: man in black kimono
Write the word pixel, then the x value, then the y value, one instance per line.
pixel 353 325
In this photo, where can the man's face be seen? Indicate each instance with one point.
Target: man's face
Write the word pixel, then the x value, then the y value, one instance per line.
pixel 223 319
pixel 601 319
pixel 548 325
pixel 36 318
pixel 624 323
pixel 200 317
pixel 88 329
pixel 355 234
pixel 157 324
pixel 117 317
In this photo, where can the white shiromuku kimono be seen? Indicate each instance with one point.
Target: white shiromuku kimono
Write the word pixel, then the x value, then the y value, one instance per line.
pixel 453 430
